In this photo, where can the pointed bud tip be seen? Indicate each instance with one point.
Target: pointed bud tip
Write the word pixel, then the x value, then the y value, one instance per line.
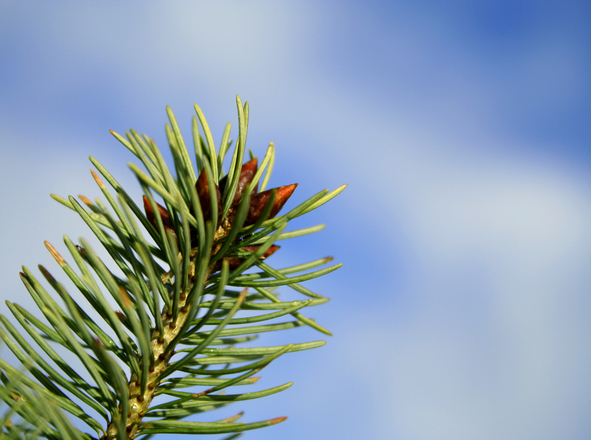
pixel 247 173
pixel 277 420
pixel 252 164
pixel 258 202
pixel 287 190
pixel 283 194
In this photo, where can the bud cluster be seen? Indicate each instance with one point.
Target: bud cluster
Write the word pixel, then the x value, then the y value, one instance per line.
pixel 277 197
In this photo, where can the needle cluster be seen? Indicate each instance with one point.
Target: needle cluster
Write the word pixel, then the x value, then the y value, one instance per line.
pixel 153 335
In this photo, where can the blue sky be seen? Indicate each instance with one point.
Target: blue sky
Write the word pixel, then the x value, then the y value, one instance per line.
pixel 462 310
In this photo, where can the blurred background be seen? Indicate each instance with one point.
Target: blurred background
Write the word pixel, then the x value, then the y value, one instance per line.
pixel 462 128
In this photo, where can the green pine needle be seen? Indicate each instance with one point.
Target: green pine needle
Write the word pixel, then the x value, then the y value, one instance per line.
pixel 172 319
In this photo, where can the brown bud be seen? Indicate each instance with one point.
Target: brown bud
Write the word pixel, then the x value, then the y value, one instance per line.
pixel 274 248
pixel 234 262
pixel 258 202
pixel 202 188
pixel 247 172
pixel 164 215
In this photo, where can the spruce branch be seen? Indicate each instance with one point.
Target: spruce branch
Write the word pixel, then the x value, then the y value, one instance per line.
pixel 182 304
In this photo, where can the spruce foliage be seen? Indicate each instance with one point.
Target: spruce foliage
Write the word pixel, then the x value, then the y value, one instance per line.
pixel 169 321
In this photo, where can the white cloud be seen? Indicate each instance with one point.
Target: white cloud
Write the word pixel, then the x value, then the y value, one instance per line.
pixel 488 336
pixel 492 337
